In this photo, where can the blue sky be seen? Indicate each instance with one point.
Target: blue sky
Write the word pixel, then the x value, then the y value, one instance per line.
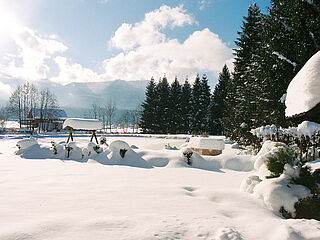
pixel 88 38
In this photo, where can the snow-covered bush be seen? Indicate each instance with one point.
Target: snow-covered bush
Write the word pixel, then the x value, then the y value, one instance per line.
pixel 73 151
pixel 103 140
pixel 56 148
pixel 278 193
pixel 293 186
pixel 91 149
pixel 120 147
pixel 276 161
pixel 187 155
pixel 305 137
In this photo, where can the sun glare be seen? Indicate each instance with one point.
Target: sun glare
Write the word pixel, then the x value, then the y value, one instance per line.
pixel 8 23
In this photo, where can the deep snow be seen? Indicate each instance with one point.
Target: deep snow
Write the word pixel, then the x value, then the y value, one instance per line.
pixel 63 199
pixel 303 90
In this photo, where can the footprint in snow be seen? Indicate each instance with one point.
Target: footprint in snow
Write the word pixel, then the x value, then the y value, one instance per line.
pixel 228 234
pixel 189 191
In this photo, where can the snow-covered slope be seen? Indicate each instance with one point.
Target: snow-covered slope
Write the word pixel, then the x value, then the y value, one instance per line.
pixel 49 198
pixel 303 90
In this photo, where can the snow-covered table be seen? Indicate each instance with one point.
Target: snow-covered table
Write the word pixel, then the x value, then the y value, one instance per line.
pixel 82 124
pixel 206 145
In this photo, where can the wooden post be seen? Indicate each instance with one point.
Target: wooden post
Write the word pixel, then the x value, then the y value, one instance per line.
pixel 70 137
pixel 95 136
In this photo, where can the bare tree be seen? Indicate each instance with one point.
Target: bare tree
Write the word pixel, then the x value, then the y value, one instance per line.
pixel 110 110
pixel 95 110
pixel 22 101
pixel 47 108
pixel 125 120
pixel 135 118
pixel 27 101
pixel 3 118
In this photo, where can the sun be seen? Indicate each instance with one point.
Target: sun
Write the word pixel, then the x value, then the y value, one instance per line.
pixel 8 23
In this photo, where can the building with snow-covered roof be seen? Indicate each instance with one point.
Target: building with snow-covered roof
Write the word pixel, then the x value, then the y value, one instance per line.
pixel 45 119
pixel 303 93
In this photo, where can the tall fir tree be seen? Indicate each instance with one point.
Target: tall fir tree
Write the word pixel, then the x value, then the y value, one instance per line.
pixel 163 107
pixel 148 118
pixel 291 36
pixel 186 107
pixel 205 99
pixel 175 108
pixel 243 108
pixel 200 105
pixel 217 111
pixel 196 118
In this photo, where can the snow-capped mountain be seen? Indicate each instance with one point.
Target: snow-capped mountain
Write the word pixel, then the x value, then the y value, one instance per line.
pixel 126 94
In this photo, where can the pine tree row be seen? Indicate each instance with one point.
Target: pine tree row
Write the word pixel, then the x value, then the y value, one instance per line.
pixel 177 108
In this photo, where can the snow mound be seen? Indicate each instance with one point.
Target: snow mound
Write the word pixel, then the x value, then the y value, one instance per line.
pixel 303 90
pixel 307 128
pixel 278 192
pixel 73 151
pixel 26 143
pixel 228 234
pixel 82 124
pixel 206 143
pixel 119 144
pixel 236 163
pixel 91 150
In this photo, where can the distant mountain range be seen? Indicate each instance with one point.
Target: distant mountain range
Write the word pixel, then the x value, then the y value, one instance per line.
pixel 126 94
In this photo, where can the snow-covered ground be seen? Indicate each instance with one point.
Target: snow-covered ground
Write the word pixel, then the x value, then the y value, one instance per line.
pixel 64 199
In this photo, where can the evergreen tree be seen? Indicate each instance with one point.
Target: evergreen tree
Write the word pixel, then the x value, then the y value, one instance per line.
pixel 205 103
pixel 291 36
pixel 148 118
pixel 200 105
pixel 175 110
pixel 186 107
pixel 163 104
pixel 196 118
pixel 243 111
pixel 217 112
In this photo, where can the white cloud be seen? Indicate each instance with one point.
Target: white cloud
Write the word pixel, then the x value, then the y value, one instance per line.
pixel 203 4
pixel 33 51
pixel 73 72
pixel 146 51
pixel 147 32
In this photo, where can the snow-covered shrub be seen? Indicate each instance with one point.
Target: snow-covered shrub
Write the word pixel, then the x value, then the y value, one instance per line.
pixel 120 147
pixel 187 155
pixel 306 208
pixel 278 193
pixel 266 150
pixel 26 143
pixel 276 161
pixel 73 151
pixel 103 140
pixel 91 149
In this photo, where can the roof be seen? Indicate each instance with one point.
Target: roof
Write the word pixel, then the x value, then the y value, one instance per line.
pixel 82 124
